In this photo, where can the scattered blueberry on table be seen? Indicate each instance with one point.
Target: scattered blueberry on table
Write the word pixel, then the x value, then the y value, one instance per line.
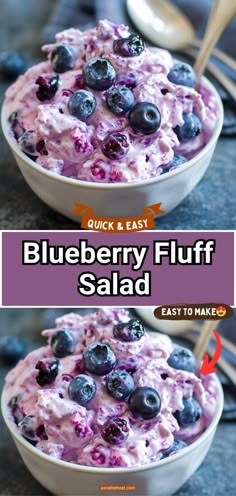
pixel 12 64
pixel 12 349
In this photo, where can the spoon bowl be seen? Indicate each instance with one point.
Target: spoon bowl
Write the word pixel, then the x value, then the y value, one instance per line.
pixel 161 22
pixel 166 26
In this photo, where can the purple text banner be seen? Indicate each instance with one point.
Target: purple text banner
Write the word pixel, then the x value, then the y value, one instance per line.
pixel 96 269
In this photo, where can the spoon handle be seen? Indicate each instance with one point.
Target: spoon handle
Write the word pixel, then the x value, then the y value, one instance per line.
pixel 224 57
pixel 204 338
pixel 222 12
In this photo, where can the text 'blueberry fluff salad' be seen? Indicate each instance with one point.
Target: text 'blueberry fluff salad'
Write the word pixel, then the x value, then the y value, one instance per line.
pixel 105 393
pixel 104 108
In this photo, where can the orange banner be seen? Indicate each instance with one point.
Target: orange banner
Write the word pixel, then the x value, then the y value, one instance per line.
pixel 113 224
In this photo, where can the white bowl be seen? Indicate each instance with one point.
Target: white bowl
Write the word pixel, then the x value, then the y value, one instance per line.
pixel 161 478
pixel 115 199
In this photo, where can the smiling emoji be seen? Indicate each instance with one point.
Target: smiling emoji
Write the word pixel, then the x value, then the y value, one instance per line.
pixel 220 311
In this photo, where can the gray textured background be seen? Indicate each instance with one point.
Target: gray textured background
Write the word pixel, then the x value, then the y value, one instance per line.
pixel 215 477
pixel 211 205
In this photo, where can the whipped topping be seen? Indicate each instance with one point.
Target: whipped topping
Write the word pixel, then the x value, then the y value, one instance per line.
pixel 71 147
pixel 64 429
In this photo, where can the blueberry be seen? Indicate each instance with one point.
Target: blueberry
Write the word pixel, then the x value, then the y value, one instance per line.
pixel 183 359
pixel 16 410
pixel 190 414
pixel 82 389
pixel 129 47
pixel 182 74
pixel 119 384
pixel 99 358
pixel 176 162
pixel 12 64
pixel 99 74
pixel 115 431
pixel 63 58
pixel 145 118
pixel 119 100
pixel 191 128
pixel 48 86
pixel 176 446
pixel 129 331
pixel 129 364
pixel 82 104
pixel 144 402
pixel 16 127
pixel 27 142
pixel 48 370
pixel 12 349
pixel 115 146
pixel 62 343
pixel 26 426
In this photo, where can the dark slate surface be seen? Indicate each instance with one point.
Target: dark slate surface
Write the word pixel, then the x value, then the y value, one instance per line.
pixel 211 205
pixel 215 477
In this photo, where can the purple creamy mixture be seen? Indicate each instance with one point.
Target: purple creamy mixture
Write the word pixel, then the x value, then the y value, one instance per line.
pixel 104 108
pixel 105 393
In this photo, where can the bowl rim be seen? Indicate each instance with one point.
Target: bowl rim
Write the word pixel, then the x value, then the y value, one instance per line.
pixel 120 470
pixel 111 186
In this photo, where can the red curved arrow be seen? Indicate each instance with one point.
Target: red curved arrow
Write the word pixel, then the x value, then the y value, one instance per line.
pixel 207 364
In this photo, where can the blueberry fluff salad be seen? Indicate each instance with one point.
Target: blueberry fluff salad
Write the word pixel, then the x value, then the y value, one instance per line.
pixel 105 108
pixel 105 393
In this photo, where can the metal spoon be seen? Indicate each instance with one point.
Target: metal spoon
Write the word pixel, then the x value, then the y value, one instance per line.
pixel 161 22
pixel 165 25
